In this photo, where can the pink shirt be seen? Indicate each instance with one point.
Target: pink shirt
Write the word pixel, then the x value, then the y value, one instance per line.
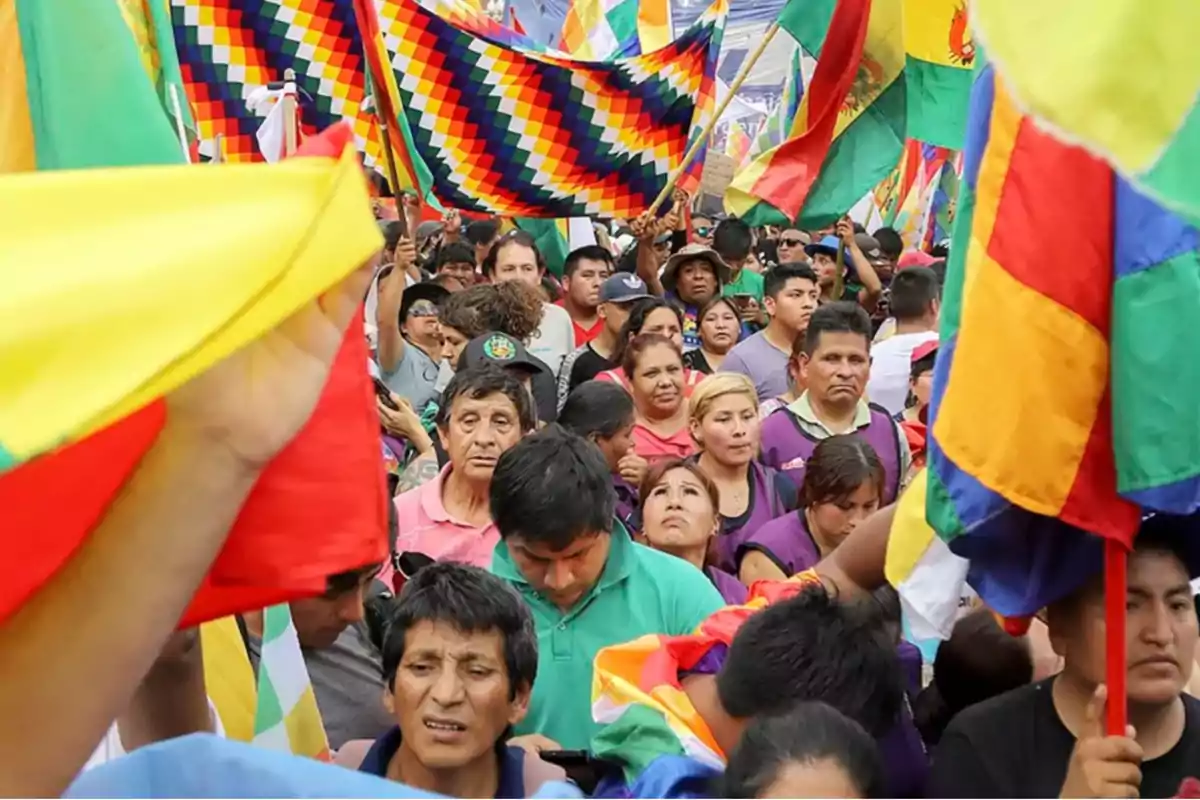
pixel 426 527
pixel 652 447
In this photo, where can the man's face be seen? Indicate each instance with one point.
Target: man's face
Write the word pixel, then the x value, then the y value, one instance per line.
pixel 1160 629
pixel 451 695
pixel 421 325
pixel 320 620
pixel 614 316
pixel 702 230
pixel 662 251
pixel 837 371
pixel 565 577
pixel 583 285
pixel 791 248
pixel 516 262
pixel 478 432
pixel 464 272
pixel 794 304
pixel 696 281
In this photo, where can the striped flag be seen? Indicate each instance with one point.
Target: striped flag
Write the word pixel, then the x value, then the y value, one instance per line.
pixel 286 718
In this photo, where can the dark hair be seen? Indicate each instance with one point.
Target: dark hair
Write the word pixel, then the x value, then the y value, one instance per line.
pixel 599 408
pixel 775 279
pixel 640 344
pixel 889 242
pixel 479 381
pixel 808 733
pixel 840 317
pixel 591 252
pixel 473 601
pixel 813 647
pixel 551 287
pixel 552 488
pixel 455 253
pixel 637 320
pixel 939 270
pixel 940 250
pixel 511 307
pixel 658 469
pixel 392 232
pixel 482 231
pixel 837 467
pixel 980 660
pixel 732 239
pixel 351 580
pixel 441 279
pixel 768 252
pixel 717 300
pixel 518 237
pixel 922 365
pixel 913 292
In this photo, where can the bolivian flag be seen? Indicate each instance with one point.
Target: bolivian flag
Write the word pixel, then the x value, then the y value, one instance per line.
pixel 1121 77
pixel 170 270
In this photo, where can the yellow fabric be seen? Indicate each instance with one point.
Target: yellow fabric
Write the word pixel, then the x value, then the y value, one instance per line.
pixel 882 62
pixel 16 129
pixel 137 18
pixel 229 678
pixel 171 270
pixel 1121 75
pixel 911 534
pixel 654 24
pixel 931 30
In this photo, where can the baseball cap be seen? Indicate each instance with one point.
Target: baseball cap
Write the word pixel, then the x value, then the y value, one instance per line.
pixel 500 349
pixel 427 294
pixel 915 258
pixel 693 252
pixel 870 248
pixel 924 349
pixel 623 287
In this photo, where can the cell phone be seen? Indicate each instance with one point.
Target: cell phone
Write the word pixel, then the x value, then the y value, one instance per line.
pixel 385 395
pixel 580 767
pixel 742 300
pixel 566 758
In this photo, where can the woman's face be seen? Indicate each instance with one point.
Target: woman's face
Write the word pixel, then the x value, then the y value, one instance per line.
pixel 678 514
pixel 658 381
pixel 453 343
pixel 719 329
pixel 729 431
pixel 617 446
pixel 835 520
pixel 664 322
pixel 922 388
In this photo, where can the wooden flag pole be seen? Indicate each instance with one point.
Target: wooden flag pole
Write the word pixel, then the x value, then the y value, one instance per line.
pixel 219 149
pixel 712 123
pixel 290 142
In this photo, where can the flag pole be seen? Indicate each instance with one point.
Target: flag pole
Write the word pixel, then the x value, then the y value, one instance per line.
pixel 1115 556
pixel 177 113
pixel 690 156
pixel 289 112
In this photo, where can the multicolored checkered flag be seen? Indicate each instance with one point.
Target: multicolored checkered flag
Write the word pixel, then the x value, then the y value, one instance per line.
pixel 287 718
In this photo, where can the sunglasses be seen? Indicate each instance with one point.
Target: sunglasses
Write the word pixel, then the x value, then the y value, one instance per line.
pixel 702 231
pixel 791 242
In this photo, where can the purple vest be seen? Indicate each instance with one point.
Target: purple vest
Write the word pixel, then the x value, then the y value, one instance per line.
pixel 733 591
pixel 787 448
pixel 786 541
pixel 627 507
pixel 765 505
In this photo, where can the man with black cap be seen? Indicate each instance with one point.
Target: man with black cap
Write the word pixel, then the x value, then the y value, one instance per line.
pixel 504 351
pixel 410 339
pixel 618 293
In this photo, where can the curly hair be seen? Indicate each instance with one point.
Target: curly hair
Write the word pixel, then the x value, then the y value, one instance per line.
pixel 511 307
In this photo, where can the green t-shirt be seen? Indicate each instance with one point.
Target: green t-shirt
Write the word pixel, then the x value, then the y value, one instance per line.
pixel 641 591
pixel 747 282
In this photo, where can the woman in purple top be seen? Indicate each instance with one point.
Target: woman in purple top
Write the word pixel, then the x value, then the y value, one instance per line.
pixel 603 413
pixel 843 484
pixel 679 516
pixel 725 425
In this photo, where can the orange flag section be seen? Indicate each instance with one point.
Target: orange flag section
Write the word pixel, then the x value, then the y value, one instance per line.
pixel 176 268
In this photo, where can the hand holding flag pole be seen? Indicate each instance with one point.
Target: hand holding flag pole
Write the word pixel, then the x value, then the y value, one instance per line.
pixel 700 140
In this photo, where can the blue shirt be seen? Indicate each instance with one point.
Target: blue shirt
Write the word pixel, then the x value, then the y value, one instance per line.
pixel 512 764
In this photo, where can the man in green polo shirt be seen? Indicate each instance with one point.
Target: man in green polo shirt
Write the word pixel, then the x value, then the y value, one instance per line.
pixel 588 584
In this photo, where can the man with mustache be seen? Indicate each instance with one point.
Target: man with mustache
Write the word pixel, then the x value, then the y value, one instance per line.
pixel 834 367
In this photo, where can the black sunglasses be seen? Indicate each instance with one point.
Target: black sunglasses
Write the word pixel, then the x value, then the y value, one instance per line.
pixel 791 242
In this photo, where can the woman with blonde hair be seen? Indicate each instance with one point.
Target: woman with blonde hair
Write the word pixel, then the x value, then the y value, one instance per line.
pixel 725 425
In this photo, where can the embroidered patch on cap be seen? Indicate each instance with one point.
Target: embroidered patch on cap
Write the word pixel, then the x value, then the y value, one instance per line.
pixel 500 348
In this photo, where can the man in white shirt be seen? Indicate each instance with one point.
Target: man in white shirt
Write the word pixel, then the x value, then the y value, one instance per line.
pixel 915 303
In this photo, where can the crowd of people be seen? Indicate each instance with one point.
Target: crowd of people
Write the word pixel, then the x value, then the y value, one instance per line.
pixel 638 527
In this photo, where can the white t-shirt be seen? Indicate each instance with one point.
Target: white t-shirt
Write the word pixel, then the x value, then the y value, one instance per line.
pixel 111 747
pixel 891 366
pixel 555 338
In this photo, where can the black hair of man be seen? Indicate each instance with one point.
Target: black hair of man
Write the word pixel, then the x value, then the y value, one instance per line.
pixel 889 242
pixel 455 253
pixel 482 231
pixel 913 292
pixel 391 235
pixel 473 601
pixel 552 488
pixel 813 648
pixel 808 733
pixel 732 239
pixel 940 250
pixel 590 252
pixel 775 279
pixel 602 408
pixel 840 317
pixel 480 381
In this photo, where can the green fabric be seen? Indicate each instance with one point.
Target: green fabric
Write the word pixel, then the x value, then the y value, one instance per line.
pixel 636 738
pixel 808 21
pixel 623 21
pixel 550 242
pixel 747 283
pixel 641 591
pixel 1173 178
pixel 91 101
pixel 1146 357
pixel 938 97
